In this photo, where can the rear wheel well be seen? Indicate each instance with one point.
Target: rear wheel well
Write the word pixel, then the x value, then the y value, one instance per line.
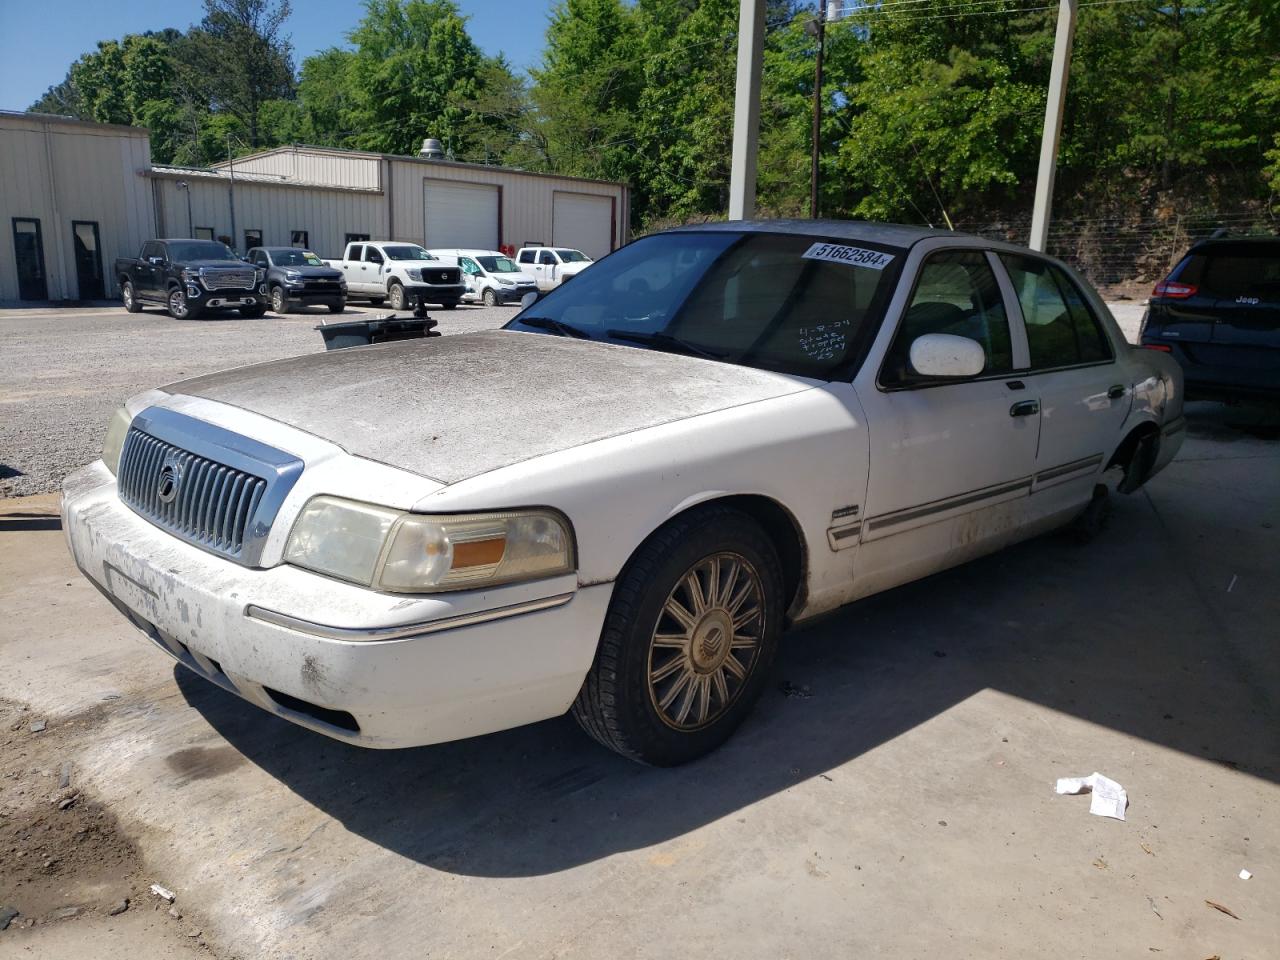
pixel 1136 454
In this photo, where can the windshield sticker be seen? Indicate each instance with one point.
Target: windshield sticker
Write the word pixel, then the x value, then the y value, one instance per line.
pixel 824 341
pixel 853 256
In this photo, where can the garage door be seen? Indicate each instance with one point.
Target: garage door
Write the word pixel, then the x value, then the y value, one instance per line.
pixel 584 223
pixel 461 215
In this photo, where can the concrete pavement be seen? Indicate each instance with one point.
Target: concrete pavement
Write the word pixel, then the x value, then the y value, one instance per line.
pixel 897 799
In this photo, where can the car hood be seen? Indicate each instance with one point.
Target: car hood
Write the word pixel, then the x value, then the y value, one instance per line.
pixel 313 273
pixel 453 407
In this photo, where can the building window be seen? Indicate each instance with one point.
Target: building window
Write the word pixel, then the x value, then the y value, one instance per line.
pixel 299 238
pixel 252 238
pixel 354 238
pixel 204 233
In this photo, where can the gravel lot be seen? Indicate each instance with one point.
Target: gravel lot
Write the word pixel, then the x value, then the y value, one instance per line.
pixel 65 371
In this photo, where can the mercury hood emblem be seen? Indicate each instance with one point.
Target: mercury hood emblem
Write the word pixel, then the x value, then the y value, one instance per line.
pixel 170 480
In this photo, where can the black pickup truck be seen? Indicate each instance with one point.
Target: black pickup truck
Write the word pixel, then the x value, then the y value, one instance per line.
pixel 190 278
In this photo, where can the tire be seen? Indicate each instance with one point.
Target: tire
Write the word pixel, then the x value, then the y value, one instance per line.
pixel 451 305
pixel 337 307
pixel 129 298
pixel 178 307
pixel 1093 520
pixel 661 692
pixel 399 300
pixel 490 298
pixel 279 302
pixel 254 312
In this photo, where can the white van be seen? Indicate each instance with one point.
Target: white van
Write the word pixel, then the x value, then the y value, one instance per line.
pixel 489 276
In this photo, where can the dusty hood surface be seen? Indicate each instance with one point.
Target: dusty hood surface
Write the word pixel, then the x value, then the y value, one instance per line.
pixel 454 407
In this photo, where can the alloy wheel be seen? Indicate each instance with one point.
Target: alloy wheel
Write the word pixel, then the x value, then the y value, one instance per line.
pixel 706 641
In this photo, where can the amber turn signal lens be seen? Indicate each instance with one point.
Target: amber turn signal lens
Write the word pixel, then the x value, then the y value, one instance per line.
pixel 479 553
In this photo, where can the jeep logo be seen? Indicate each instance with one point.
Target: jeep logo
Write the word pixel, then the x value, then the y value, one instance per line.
pixel 1251 301
pixel 169 482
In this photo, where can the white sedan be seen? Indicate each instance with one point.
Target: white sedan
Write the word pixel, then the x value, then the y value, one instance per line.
pixel 618 503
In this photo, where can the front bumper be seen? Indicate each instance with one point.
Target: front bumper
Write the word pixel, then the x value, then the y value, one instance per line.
pixel 368 668
pixel 217 299
pixel 513 294
pixel 435 292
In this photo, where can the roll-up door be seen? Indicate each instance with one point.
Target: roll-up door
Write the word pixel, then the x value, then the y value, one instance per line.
pixel 583 222
pixel 460 214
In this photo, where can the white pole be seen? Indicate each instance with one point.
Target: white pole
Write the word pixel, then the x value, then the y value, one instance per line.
pixel 1053 124
pixel 746 110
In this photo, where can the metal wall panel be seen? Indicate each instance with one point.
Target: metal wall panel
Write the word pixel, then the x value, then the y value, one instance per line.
pixel 314 166
pixel 59 172
pixel 326 215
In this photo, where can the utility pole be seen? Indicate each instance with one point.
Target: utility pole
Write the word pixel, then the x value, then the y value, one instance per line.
pixel 816 28
pixel 1062 41
pixel 746 110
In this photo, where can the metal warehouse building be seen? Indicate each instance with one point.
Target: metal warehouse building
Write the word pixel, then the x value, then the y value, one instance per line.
pixel 77 195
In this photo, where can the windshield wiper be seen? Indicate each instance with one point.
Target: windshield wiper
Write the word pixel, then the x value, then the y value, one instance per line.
pixel 667 341
pixel 555 326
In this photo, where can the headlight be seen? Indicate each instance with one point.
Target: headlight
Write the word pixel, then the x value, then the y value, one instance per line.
pixel 260 274
pixel 113 443
pixel 414 274
pixel 190 275
pixel 505 282
pixel 416 553
pixel 292 276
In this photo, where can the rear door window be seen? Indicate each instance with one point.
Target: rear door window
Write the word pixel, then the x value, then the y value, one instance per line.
pixel 1062 330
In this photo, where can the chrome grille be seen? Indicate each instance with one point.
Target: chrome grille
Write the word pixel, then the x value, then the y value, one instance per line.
pixel 213 488
pixel 211 505
pixel 232 279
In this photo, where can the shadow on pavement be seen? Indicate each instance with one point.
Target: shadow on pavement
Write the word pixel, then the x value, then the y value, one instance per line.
pixel 1123 633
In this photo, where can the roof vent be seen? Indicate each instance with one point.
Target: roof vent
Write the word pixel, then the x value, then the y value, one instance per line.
pixel 432 149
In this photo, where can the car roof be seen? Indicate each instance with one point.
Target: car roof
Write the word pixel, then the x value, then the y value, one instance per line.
pixel 185 240
pixel 892 234
pixel 281 249
pixel 464 252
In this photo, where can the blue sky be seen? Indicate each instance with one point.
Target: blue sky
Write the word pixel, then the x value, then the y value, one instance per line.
pixel 38 41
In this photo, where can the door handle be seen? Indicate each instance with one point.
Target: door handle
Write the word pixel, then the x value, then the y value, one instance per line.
pixel 1116 392
pixel 1016 385
pixel 1025 408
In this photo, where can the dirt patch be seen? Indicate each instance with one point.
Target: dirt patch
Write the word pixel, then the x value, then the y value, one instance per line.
pixel 64 857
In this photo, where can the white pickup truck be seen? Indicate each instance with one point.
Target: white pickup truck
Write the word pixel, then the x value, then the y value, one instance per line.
pixel 551 266
pixel 403 273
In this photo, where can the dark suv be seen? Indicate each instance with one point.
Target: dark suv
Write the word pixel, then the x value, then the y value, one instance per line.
pixel 1218 314
pixel 299 277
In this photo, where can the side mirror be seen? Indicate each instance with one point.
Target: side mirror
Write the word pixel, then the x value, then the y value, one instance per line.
pixel 946 356
pixel 156 261
pixel 528 300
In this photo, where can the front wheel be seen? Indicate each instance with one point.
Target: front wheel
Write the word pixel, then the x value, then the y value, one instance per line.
pixel 279 302
pixel 179 307
pixel 129 297
pixel 490 297
pixel 337 306
pixel 399 299
pixel 451 305
pixel 688 641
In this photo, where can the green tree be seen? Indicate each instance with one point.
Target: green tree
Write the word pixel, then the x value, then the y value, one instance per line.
pixel 325 97
pixel 237 59
pixel 588 89
pixel 413 74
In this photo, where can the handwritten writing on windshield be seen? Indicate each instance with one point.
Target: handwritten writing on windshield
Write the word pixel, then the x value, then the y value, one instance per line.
pixel 824 341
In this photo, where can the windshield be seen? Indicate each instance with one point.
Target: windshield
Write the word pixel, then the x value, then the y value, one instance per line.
pixel 295 258
pixel 184 251
pixel 407 252
pixel 573 256
pixel 497 265
pixel 780 302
